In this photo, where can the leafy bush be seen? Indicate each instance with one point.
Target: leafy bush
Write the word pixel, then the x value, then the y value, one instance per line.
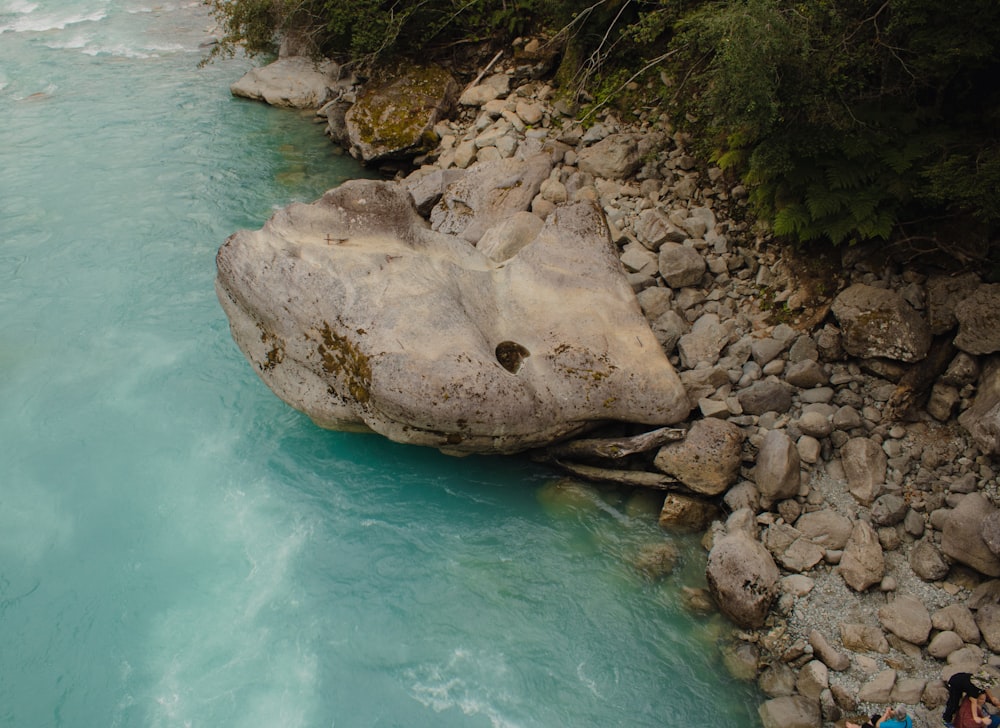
pixel 372 31
pixel 847 117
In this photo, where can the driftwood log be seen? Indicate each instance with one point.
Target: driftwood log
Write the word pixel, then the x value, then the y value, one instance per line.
pixel 614 448
pixel 566 456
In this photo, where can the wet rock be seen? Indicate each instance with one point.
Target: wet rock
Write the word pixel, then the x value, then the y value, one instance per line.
pixel 741 660
pixel 777 680
pixel 686 514
pixel 656 561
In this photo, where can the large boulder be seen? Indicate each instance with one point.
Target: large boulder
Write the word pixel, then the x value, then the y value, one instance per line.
pixel 791 711
pixel 982 419
pixel 865 465
pixel 978 317
pixel 863 563
pixel 396 120
pixel 357 314
pixel 742 578
pixel 777 470
pixel 708 459
pixel 878 322
pixel 907 618
pixel 944 293
pixel 961 538
pixel 296 82
pixel 614 157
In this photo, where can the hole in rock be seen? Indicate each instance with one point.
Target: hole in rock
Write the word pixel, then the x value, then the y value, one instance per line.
pixel 510 354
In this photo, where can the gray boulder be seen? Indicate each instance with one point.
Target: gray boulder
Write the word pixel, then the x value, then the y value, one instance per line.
pixel 878 322
pixel 907 618
pixel 296 82
pixel 777 470
pixel 944 292
pixel 707 460
pixel 988 621
pixel 742 578
pixel 989 531
pixel 614 157
pixel 863 563
pixel 680 265
pixel 826 528
pixel 357 314
pixel 767 395
pixel 961 540
pixel 791 711
pixel 978 317
pixel 982 419
pixel 957 618
pixel 926 560
pixel 865 465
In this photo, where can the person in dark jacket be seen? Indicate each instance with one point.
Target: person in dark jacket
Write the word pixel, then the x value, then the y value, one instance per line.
pixel 965 684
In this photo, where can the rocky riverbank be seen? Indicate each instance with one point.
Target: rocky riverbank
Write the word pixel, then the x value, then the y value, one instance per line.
pixel 840 453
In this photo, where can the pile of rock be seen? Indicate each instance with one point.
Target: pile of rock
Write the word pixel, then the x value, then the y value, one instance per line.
pixel 839 454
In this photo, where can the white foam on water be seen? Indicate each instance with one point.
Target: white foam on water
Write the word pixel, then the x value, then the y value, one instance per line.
pixel 40 23
pixel 126 51
pixel 454 686
pixel 228 650
pixel 18 7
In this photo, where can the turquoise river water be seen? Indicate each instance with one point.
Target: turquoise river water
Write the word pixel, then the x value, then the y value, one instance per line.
pixel 177 546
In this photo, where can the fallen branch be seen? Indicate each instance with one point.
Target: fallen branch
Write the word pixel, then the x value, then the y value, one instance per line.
pixel 634 478
pixel 486 70
pixel 615 448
